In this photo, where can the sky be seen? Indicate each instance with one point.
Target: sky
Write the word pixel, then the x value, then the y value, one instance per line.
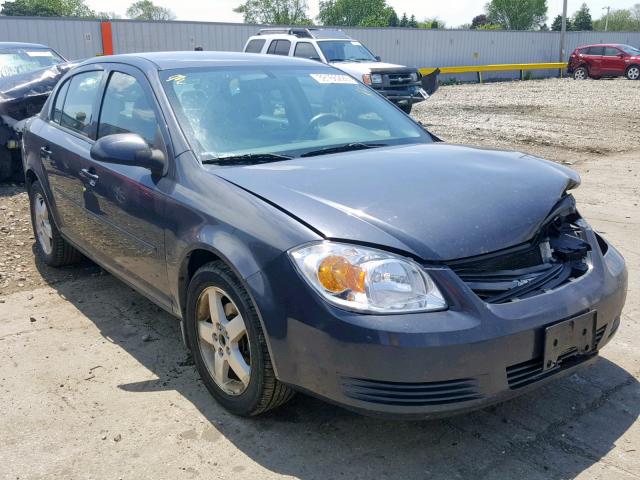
pixel 453 12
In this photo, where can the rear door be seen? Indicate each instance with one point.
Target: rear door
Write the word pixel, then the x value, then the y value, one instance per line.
pixel 130 200
pixel 593 58
pixel 613 61
pixel 65 141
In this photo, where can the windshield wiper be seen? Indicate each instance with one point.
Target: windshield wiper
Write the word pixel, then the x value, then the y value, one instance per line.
pixel 348 147
pixel 247 159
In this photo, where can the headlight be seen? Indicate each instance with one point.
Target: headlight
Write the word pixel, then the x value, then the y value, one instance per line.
pixel 414 77
pixel 367 280
pixel 366 79
pixel 376 78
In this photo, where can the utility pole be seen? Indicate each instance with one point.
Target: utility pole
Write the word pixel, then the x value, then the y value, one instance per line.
pixel 606 18
pixel 563 30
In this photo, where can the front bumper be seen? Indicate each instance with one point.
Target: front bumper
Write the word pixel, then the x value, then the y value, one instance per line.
pixel 403 96
pixel 430 364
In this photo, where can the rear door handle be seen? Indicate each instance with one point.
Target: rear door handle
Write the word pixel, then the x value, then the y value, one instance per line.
pixel 45 152
pixel 90 176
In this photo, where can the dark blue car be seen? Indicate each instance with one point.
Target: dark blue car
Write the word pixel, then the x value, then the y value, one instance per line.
pixel 310 236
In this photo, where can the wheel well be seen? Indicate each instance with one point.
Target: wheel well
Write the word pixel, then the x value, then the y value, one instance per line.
pixel 192 262
pixel 632 65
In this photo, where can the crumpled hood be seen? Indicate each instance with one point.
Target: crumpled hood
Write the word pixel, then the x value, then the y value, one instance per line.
pixel 436 201
pixel 357 69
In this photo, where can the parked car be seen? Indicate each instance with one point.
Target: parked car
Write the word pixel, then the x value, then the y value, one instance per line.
pixel 28 73
pixel 351 255
pixel 605 60
pixel 402 85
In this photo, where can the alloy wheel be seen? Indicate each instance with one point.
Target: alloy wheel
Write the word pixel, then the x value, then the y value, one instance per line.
pixel 580 74
pixel 223 341
pixel 43 224
pixel 633 73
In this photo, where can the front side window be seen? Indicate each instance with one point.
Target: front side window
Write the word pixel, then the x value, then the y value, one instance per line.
pixel 78 111
pixel 126 109
pixel 306 50
pixel 345 51
pixel 16 61
pixel 281 110
pixel 254 46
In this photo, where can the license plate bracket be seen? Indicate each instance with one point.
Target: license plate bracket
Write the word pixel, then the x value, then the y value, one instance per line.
pixel 574 336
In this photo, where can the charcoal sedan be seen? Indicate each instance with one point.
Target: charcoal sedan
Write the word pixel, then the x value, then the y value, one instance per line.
pixel 344 252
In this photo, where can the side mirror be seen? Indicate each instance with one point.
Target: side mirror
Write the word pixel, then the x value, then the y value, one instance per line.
pixel 130 149
pixel 378 59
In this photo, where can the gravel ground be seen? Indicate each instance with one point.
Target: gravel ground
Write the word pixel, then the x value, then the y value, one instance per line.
pixel 559 119
pixel 95 382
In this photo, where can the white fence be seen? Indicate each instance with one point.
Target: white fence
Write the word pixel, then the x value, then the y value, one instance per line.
pixel 424 48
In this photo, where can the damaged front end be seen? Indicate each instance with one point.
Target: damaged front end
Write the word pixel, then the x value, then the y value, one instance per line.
pixel 557 255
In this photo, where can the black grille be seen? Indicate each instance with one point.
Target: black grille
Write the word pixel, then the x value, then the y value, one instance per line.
pixel 417 394
pixel 600 334
pixel 525 373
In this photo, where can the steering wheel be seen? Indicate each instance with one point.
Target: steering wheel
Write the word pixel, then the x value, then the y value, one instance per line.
pixel 320 119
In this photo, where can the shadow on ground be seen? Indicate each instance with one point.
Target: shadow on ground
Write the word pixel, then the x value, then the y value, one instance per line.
pixel 557 431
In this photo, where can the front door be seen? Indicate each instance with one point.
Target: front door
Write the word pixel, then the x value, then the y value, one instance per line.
pixel 613 61
pixel 129 200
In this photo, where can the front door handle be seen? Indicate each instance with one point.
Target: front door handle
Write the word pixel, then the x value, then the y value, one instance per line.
pixel 45 152
pixel 90 176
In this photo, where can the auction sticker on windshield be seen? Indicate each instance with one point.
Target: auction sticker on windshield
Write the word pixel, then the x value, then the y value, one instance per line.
pixel 332 78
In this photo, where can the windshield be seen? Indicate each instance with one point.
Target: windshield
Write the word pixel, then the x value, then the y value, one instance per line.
pixel 24 60
pixel 630 50
pixel 345 51
pixel 234 111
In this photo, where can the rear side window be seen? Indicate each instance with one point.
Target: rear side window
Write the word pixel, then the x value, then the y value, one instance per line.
pixel 254 46
pixel 611 52
pixel 305 50
pixel 77 113
pixel 57 108
pixel 595 51
pixel 126 109
pixel 279 47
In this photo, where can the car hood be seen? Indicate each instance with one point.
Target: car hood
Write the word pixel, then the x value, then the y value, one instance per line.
pixel 435 201
pixel 357 69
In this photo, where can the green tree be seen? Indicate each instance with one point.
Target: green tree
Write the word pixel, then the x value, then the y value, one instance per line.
pixel 275 12
pixel 355 13
pixel 404 21
pixel 479 20
pixel 622 20
pixel 47 8
pixel 394 21
pixel 147 10
pixel 413 23
pixel 431 24
pixel 517 14
pixel 556 26
pixel 582 19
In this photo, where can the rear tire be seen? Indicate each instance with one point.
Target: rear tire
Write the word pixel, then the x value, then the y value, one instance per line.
pixel 580 73
pixel 633 72
pixel 6 164
pixel 244 385
pixel 55 250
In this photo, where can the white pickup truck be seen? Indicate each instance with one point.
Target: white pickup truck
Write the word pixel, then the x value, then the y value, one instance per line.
pixel 402 85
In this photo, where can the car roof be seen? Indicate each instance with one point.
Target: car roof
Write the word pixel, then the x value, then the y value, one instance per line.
pixel 193 59
pixel 603 45
pixel 7 45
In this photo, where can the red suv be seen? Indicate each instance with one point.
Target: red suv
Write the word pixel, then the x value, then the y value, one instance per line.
pixel 612 60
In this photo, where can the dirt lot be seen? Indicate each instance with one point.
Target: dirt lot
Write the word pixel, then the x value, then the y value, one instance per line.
pixel 95 382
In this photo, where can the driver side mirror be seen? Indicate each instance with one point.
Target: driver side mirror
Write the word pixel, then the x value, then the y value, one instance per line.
pixel 378 59
pixel 130 149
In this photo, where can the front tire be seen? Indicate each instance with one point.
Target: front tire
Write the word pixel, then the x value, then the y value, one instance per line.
pixel 406 108
pixel 633 72
pixel 55 250
pixel 580 73
pixel 228 345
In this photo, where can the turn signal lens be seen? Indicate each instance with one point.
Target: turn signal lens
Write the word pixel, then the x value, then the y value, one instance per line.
pixel 366 279
pixel 337 275
pixel 366 78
